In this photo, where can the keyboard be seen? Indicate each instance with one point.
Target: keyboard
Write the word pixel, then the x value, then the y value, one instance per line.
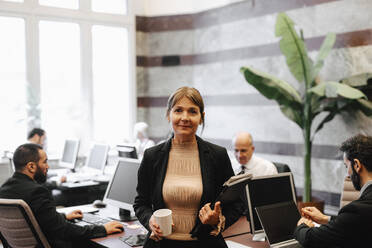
pixel 94 219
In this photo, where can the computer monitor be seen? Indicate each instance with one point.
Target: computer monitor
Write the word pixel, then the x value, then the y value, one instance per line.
pixel 122 188
pixel 70 153
pixel 266 190
pixel 97 158
pixel 127 151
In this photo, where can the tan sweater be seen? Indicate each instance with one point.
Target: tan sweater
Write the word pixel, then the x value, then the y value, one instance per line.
pixel 183 188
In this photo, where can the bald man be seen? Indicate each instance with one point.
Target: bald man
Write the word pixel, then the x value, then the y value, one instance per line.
pixel 248 162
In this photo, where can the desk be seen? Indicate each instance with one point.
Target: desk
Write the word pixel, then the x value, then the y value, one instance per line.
pixel 113 239
pixel 85 194
pixel 241 226
pixel 237 233
pixel 246 239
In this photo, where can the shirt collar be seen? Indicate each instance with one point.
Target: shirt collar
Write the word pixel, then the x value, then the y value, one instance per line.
pixel 365 186
pixel 249 165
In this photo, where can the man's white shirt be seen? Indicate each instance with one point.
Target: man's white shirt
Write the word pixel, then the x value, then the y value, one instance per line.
pixel 256 166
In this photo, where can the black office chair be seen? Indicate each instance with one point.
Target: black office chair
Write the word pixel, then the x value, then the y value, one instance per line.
pixel 281 168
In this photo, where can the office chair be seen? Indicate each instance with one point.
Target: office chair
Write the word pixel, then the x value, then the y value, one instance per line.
pixel 348 194
pixel 18 226
pixel 280 167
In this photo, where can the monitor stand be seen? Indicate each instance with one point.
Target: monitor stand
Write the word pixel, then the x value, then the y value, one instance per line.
pixel 125 215
pixel 259 237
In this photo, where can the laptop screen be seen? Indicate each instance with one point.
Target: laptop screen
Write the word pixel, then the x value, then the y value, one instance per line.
pixel 266 190
pixel 279 220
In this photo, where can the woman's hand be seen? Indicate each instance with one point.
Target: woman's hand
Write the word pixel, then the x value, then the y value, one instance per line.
pixel 76 214
pixel 156 233
pixel 209 216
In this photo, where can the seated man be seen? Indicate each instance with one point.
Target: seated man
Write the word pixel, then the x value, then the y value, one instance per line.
pixel 353 224
pixel 31 166
pixel 248 162
pixel 37 136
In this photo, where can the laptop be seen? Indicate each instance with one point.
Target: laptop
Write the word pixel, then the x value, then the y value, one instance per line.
pixel 279 221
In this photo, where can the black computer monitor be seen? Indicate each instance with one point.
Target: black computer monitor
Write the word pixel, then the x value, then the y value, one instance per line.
pixel 122 188
pixel 266 190
pixel 70 153
pixel 127 151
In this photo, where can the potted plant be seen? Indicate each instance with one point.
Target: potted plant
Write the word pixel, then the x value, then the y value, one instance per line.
pixel 313 97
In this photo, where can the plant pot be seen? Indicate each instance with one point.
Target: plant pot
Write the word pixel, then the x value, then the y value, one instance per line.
pixel 315 202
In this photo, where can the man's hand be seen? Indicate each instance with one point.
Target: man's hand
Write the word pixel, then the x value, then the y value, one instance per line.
pixel 63 179
pixel 113 227
pixel 76 214
pixel 307 222
pixel 209 216
pixel 315 215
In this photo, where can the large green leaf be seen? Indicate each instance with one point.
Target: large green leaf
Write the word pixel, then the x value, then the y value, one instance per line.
pixel 358 80
pixel 273 88
pixel 365 106
pixel 335 89
pixel 326 47
pixel 292 114
pixel 294 49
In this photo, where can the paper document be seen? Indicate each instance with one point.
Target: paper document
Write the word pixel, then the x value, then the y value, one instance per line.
pixel 232 244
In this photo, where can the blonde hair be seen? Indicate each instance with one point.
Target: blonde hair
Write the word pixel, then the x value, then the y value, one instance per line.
pixel 192 94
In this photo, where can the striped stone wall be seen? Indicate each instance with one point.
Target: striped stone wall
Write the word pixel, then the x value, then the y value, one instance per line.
pixel 205 50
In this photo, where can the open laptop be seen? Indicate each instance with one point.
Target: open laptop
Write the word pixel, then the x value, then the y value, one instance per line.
pixel 279 221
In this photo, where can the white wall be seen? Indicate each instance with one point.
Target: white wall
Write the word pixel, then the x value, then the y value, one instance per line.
pixel 173 7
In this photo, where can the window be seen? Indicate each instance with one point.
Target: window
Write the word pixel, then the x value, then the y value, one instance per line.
pixel 67 66
pixel 110 81
pixel 60 81
pixel 69 4
pixel 12 83
pixel 16 1
pixel 110 6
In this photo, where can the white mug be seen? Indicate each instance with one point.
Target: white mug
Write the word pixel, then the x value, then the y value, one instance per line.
pixel 163 218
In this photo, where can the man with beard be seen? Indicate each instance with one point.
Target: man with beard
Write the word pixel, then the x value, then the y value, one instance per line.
pixel 31 164
pixel 353 224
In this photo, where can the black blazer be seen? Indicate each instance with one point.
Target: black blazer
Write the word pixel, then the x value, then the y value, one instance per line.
pixel 350 228
pixel 215 170
pixel 58 231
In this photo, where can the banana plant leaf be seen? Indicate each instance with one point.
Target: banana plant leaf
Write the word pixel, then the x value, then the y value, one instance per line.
pixel 325 49
pixel 294 49
pixel 365 106
pixel 273 88
pixel 358 80
pixel 335 89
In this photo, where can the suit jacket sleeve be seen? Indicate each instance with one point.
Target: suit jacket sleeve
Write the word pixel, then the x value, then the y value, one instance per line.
pixel 142 203
pixel 231 212
pixel 331 234
pixel 54 225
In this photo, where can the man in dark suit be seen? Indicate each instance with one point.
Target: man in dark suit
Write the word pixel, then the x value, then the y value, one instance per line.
pixel 353 224
pixel 31 164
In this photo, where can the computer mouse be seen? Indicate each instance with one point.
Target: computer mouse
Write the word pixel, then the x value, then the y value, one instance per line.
pixel 121 228
pixel 99 204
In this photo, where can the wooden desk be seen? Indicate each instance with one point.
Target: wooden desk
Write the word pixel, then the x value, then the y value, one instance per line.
pixel 113 239
pixel 238 232
pixel 238 228
pixel 246 239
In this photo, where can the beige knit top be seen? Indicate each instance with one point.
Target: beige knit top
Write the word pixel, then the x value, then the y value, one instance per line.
pixel 183 188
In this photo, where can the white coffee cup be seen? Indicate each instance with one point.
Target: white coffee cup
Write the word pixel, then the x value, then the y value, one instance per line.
pixel 163 218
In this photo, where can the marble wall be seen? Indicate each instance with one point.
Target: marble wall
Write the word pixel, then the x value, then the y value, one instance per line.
pixel 205 50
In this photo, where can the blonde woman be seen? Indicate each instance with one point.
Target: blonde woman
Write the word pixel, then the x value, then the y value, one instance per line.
pixel 185 174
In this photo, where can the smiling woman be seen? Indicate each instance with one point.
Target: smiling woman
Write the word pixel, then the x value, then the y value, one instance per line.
pixel 185 174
